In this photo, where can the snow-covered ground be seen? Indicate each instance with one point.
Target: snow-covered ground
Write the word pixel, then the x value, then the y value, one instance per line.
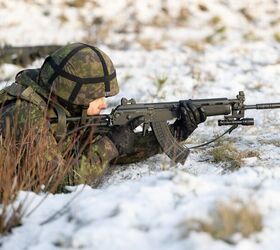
pixel 199 49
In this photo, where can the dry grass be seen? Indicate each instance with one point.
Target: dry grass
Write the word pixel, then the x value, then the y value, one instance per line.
pixel 219 31
pixel 226 220
pixel 63 18
pixel 218 35
pixel 183 16
pixel 256 86
pixel 197 46
pixel 251 36
pixel 277 37
pixel 32 163
pixel 202 7
pixel 160 81
pixel 150 44
pixel 164 19
pixel 97 31
pixel 246 13
pixel 215 20
pixel 76 3
pixel 228 153
pixel 274 142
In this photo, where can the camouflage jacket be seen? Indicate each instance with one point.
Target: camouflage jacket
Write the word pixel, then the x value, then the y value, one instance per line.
pixel 24 100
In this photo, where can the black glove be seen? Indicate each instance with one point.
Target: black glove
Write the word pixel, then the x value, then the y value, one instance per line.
pixel 123 136
pixel 190 116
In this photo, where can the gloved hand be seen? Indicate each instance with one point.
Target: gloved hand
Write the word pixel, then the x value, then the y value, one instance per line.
pixel 190 116
pixel 123 136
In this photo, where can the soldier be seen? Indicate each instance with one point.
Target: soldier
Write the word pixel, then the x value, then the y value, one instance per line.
pixel 74 81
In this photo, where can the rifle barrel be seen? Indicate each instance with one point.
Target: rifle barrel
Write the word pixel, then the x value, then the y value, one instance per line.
pixel 263 106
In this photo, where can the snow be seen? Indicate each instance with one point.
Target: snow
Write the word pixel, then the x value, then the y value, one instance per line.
pixel 146 213
pixel 149 205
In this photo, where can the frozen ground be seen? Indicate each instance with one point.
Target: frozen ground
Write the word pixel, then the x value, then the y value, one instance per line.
pixel 199 49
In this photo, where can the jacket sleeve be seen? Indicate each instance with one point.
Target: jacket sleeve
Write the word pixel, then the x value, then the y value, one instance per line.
pixel 145 147
pixel 95 160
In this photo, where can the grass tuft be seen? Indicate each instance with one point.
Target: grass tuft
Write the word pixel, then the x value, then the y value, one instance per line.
pixel 63 18
pixel 227 220
pixel 228 153
pixel 197 46
pixel 160 81
pixel 202 7
pixel 277 37
pixel 76 3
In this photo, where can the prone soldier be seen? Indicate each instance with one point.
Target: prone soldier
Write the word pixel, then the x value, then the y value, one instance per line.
pixel 75 80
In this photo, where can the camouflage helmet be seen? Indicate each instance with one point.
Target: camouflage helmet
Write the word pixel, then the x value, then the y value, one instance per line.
pixel 78 74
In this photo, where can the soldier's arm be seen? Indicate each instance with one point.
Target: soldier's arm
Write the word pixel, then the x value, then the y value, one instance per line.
pixel 95 160
pixel 145 147
pixel 19 118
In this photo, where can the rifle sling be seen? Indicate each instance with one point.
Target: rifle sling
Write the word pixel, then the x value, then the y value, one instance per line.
pixel 31 96
pixel 215 139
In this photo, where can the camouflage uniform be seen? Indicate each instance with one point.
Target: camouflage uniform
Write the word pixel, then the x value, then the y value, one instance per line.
pixel 34 99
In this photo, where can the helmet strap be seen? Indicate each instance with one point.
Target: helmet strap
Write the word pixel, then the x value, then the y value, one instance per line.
pixel 59 71
pixel 84 116
pixel 105 70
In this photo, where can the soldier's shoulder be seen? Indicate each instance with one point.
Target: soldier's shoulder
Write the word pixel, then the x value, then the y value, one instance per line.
pixel 20 113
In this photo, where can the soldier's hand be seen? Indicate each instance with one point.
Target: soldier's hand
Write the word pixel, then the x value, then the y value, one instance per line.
pixel 123 136
pixel 190 117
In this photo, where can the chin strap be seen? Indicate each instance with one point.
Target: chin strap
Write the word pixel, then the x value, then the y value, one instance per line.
pixel 84 116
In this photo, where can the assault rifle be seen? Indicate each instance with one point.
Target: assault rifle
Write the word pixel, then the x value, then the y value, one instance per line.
pixel 156 115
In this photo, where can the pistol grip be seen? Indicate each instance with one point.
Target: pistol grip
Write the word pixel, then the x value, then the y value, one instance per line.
pixel 168 143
